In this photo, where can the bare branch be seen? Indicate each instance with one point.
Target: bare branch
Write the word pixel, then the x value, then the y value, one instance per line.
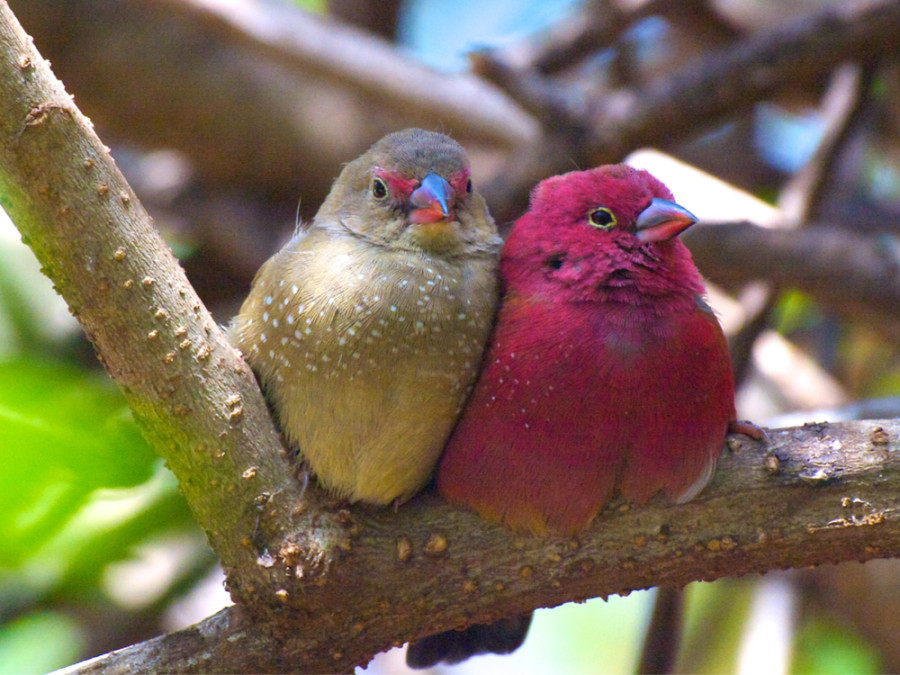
pixel 678 104
pixel 802 197
pixel 598 24
pixel 856 275
pixel 593 25
pixel 268 98
pixel 843 108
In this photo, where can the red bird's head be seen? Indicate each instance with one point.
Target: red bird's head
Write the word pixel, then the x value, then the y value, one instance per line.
pixel 607 234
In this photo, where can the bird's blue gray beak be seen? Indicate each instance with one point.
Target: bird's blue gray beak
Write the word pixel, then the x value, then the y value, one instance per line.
pixel 433 200
pixel 662 220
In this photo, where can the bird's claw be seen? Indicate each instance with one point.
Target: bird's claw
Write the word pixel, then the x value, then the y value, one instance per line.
pixel 748 429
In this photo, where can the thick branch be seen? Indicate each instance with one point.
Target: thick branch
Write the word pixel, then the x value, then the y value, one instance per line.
pixel 195 399
pixel 820 494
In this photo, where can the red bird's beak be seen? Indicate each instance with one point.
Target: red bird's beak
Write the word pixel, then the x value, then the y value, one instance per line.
pixel 662 220
pixel 434 200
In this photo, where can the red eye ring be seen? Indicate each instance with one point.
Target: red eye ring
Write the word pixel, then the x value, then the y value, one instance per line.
pixel 379 189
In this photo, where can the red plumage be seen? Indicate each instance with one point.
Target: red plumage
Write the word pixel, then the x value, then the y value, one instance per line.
pixel 607 372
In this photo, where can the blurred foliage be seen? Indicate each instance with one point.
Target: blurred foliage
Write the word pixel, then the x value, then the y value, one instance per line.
pixel 38 642
pixel 826 647
pixel 795 312
pixel 67 434
pixel 317 6
pixel 80 489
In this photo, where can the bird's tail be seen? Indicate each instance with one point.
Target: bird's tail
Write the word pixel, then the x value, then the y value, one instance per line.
pixel 454 646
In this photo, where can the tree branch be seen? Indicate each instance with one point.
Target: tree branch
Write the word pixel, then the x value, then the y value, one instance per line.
pixel 321 92
pixel 802 197
pixel 821 494
pixel 854 274
pixel 605 127
pixel 196 401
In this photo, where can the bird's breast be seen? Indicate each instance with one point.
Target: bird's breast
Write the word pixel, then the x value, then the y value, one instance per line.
pixel 368 359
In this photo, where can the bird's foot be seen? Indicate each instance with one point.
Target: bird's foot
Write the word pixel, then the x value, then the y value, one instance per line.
pixel 748 429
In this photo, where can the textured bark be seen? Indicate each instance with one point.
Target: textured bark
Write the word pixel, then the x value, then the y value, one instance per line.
pixel 819 494
pixel 195 399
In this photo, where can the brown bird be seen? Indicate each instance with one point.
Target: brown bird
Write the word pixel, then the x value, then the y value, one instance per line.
pixel 366 330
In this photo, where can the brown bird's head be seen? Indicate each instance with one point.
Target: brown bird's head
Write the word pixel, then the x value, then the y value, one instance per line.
pixel 411 191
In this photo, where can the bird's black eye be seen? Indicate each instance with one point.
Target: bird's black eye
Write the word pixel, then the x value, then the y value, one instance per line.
pixel 601 218
pixel 379 189
pixel 469 186
pixel 555 261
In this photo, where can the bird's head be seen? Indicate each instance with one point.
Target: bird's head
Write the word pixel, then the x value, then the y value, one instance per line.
pixel 411 191
pixel 611 230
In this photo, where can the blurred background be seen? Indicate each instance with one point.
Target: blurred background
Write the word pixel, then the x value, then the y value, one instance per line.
pixel 230 118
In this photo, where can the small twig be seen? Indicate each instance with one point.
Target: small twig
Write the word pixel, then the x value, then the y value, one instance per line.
pixel 663 634
pixel 593 25
pixel 598 24
pixel 740 345
pixel 728 81
pixel 842 106
pixel 801 197
pixel 556 106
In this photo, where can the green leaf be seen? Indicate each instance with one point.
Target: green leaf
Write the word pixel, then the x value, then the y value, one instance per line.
pixel 64 433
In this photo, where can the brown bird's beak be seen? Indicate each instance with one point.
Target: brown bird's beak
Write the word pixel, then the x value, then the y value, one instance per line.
pixel 662 220
pixel 433 200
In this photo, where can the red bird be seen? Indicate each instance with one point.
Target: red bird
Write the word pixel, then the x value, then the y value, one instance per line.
pixel 607 372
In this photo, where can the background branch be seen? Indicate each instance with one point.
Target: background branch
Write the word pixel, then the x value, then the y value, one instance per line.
pixel 613 122
pixel 855 274
pixel 302 72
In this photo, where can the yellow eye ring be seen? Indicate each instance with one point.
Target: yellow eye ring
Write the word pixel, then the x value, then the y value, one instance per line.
pixel 602 218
